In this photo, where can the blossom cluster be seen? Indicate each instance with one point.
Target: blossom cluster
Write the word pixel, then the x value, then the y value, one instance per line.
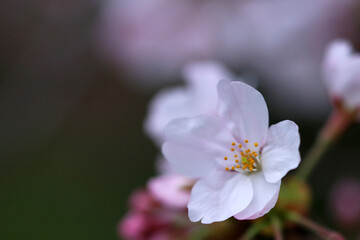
pixel 221 161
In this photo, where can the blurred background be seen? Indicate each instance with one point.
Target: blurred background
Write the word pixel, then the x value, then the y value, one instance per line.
pixel 76 78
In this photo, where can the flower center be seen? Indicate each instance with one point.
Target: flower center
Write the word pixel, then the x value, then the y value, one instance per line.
pixel 243 158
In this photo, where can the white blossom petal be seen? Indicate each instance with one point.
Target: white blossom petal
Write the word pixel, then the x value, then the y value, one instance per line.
pixel 196 145
pixel 341 71
pixel 265 195
pixel 198 97
pixel 203 78
pixel 219 196
pixel 245 110
pixel 351 94
pixel 167 105
pixel 337 54
pixel 267 208
pixel 281 152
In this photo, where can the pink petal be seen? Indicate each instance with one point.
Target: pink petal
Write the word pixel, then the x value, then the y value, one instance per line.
pixel 281 152
pixel 170 190
pixel 141 201
pixel 133 225
pixel 245 110
pixel 264 199
pixel 196 146
pixel 219 196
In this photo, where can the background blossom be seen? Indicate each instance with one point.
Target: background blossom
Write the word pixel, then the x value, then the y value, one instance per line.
pixel 199 96
pixel 282 41
pixel 341 74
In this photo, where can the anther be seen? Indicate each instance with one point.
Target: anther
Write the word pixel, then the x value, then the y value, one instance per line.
pixel 237 166
pixel 232 149
pixel 246 141
pixel 247 151
pixel 227 169
pixel 236 161
pixel 232 168
pixel 235 155
pixel 256 144
pixel 240 146
pixel 233 144
pixel 225 158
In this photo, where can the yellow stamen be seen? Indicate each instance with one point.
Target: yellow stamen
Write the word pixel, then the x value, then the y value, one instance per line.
pixel 225 158
pixel 246 141
pixel 240 146
pixel 247 151
pixel 256 144
pixel 236 161
pixel 232 149
pixel 237 166
pixel 235 155
pixel 233 144
pixel 227 169
pixel 232 168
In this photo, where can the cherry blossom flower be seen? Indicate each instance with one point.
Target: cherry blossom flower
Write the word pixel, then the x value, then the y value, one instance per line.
pixel 238 160
pixel 341 72
pixel 198 97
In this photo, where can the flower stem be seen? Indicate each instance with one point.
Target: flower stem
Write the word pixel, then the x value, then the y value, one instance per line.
pixel 313 157
pixel 277 228
pixel 337 124
pixel 314 227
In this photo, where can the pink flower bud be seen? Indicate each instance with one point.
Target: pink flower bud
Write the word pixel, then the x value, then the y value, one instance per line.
pixel 133 226
pixel 345 203
pixel 141 200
